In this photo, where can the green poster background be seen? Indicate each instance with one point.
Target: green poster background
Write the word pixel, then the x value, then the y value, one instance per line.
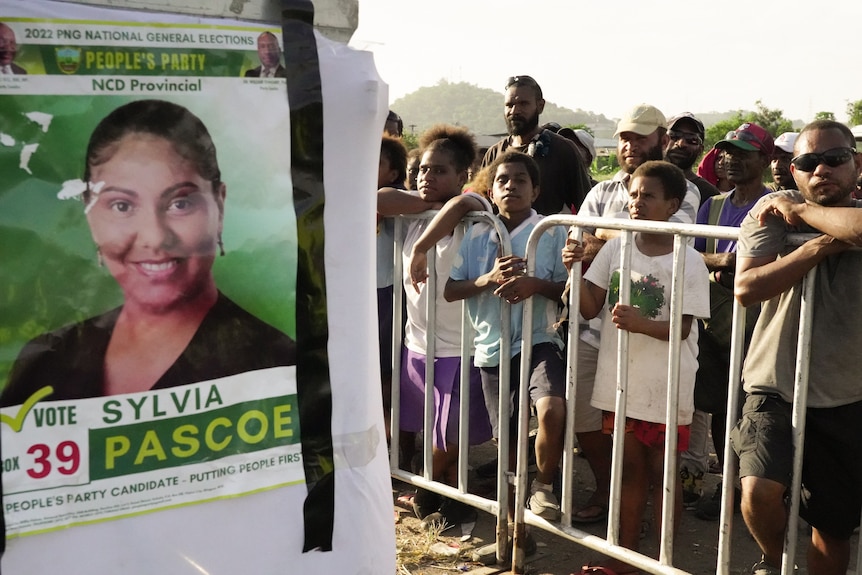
pixel 49 276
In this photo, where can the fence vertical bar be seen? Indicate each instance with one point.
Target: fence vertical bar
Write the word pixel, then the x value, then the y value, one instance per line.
pixel 397 322
pixel 430 355
pixel 800 404
pixel 574 304
pixel 613 535
pixel 464 406
pixel 729 472
pixel 521 473
pixel 504 377
pixel 671 477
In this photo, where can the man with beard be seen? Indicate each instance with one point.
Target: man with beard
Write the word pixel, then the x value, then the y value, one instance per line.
pixel 747 151
pixel 684 147
pixel 825 169
pixel 642 137
pixel 8 51
pixel 781 177
pixel 565 182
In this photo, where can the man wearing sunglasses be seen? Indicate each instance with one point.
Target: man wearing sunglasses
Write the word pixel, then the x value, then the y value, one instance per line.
pixel 564 180
pixel 825 169
pixel 683 149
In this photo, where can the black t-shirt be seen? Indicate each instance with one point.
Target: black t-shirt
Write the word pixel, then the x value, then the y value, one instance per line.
pixel 564 181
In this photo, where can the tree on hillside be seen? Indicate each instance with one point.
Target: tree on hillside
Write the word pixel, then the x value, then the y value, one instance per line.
pixel 478 109
pixel 854 113
pixel 719 130
pixel 773 121
pixel 824 116
pixel 410 140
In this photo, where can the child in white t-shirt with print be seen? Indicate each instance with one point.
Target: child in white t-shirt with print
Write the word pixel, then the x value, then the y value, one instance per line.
pixel 656 191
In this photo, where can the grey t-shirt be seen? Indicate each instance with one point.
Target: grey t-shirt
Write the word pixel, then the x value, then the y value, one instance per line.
pixel 836 338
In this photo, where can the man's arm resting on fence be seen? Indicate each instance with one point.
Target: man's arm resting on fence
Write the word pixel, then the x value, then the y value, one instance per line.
pixel 761 278
pixel 842 223
pixel 442 225
pixel 392 201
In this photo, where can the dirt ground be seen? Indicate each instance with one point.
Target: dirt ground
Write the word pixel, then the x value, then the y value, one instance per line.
pixel 695 549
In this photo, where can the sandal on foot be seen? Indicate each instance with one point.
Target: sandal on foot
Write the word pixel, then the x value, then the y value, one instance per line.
pixel 487 555
pixel 592 513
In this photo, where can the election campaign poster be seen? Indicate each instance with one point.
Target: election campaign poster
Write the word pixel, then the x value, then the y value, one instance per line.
pixel 164 345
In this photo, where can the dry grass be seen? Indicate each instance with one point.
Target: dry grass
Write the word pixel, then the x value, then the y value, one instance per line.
pixel 414 553
pixel 415 547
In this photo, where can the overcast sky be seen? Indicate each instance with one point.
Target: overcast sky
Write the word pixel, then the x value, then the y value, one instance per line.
pixel 799 56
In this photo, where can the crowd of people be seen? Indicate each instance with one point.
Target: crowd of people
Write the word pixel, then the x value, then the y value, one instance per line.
pixel 542 169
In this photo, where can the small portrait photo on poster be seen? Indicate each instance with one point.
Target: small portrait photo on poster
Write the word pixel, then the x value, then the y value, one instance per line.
pixel 269 54
pixel 9 51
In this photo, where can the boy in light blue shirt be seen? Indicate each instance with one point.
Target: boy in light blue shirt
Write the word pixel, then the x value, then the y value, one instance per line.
pixel 484 278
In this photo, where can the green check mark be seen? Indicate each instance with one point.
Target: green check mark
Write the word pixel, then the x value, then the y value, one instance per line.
pixel 18 421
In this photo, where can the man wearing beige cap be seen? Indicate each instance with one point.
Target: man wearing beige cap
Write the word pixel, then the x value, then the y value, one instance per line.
pixel 642 137
pixel 780 165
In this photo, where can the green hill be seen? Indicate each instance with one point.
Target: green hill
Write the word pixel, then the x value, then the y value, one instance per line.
pixel 479 109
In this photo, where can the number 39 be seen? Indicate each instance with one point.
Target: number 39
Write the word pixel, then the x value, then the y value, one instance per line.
pixel 67 455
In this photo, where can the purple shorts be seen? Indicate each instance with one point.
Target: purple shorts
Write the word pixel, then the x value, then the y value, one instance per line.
pixel 447 381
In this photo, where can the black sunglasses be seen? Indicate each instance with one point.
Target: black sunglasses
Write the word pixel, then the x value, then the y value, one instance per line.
pixel 832 158
pixel 690 139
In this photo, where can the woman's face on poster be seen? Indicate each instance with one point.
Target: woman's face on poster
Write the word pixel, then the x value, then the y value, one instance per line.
pixel 156 222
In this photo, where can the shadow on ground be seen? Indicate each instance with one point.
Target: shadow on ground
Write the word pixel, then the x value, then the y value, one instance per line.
pixel 695 549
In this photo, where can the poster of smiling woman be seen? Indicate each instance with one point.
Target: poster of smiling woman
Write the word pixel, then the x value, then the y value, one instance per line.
pixel 158 297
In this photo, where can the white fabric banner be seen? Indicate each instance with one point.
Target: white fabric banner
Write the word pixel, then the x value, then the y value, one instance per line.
pixel 114 474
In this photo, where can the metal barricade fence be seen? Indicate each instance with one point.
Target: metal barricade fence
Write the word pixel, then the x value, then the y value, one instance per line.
pixel 498 507
pixel 610 545
pixel 522 516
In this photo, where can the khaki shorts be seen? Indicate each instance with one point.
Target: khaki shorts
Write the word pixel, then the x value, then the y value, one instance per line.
pixel 587 417
pixel 832 458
